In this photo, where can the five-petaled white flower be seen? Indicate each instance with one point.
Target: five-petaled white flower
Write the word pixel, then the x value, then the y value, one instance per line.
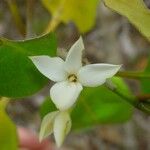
pixel 57 122
pixel 70 75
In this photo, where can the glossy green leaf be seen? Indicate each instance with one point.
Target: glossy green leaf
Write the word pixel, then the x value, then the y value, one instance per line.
pixel 96 106
pixel 18 76
pixel 136 12
pixel 8 134
pixel 81 12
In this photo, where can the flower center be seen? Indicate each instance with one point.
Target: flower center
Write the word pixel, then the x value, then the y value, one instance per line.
pixel 72 78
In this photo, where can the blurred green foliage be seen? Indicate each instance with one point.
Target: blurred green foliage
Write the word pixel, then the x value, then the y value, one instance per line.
pixel 8 134
pixel 81 12
pixel 136 11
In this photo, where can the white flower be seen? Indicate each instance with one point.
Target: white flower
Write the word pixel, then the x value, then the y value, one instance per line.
pixel 56 122
pixel 71 76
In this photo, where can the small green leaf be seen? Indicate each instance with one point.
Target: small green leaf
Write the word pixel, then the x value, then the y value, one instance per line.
pixel 97 105
pixel 81 12
pixel 18 75
pixel 136 12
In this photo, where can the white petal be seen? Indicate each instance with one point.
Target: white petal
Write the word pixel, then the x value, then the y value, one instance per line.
pixel 64 94
pixel 47 125
pixel 52 68
pixel 96 74
pixel 62 126
pixel 74 58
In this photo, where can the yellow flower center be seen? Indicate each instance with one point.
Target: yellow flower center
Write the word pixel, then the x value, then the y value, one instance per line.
pixel 72 78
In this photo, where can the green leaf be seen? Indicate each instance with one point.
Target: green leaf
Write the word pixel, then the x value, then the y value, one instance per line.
pixel 8 134
pixel 97 105
pixel 81 12
pixel 18 76
pixel 136 12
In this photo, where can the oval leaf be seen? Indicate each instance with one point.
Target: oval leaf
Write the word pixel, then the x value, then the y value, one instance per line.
pixel 18 75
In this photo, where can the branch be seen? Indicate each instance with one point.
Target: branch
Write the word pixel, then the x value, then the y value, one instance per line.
pixel 133 100
pixel 29 18
pixel 133 75
pixel 143 97
pixel 16 15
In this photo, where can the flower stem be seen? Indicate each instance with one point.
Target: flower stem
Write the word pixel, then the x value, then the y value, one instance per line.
pixel 29 18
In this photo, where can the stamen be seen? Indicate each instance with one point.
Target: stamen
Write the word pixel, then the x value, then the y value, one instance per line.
pixel 72 78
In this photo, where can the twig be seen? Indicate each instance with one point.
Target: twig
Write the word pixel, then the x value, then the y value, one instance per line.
pixel 143 97
pixel 130 99
pixel 16 15
pixel 133 100
pixel 133 75
pixel 29 18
